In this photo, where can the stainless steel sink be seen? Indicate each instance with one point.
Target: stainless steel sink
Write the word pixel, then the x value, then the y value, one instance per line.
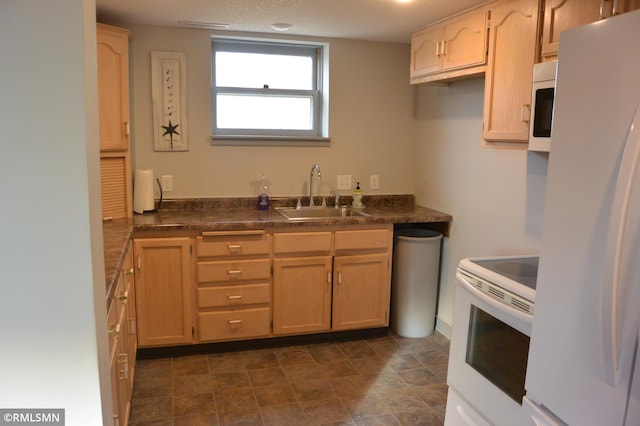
pixel 309 213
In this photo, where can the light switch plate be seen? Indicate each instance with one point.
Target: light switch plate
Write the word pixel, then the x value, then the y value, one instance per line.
pixel 374 182
pixel 344 182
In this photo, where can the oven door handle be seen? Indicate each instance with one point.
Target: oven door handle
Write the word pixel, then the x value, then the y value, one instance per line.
pixel 513 312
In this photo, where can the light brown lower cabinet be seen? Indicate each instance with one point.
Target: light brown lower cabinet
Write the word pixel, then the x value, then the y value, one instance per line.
pixel 253 284
pixel 233 281
pixel 122 342
pixel 302 295
pixel 163 291
pixel 361 291
pixel 345 286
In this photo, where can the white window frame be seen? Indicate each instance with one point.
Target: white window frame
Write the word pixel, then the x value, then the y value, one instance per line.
pixel 319 92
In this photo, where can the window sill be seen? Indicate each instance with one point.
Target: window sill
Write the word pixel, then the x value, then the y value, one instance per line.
pixel 268 140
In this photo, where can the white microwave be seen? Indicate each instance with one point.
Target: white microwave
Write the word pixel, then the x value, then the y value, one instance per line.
pixel 544 87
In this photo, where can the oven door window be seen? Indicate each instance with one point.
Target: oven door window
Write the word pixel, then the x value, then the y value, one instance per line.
pixel 498 352
pixel 543 112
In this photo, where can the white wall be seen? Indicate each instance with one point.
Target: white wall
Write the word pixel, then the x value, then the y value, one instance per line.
pixel 371 123
pixel 495 196
pixel 53 313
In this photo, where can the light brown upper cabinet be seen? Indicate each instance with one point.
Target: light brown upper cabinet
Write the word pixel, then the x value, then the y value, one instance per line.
pixel 113 87
pixel 113 108
pixel 507 93
pixel 450 49
pixel 560 15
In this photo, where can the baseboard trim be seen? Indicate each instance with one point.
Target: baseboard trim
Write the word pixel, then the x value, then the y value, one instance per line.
pixel 271 342
pixel 443 327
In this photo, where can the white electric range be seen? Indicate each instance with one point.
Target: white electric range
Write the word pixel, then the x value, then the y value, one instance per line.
pixel 492 317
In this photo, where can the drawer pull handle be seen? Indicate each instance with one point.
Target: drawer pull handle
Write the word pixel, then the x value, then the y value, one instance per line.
pixel 234 272
pixel 234 297
pixel 124 296
pixel 124 360
pixel 235 322
pixel 129 271
pixel 234 247
pixel 114 330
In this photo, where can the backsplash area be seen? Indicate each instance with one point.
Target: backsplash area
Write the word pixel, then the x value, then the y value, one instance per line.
pixel 378 201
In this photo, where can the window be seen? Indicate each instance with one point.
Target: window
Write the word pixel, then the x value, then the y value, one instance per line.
pixel 268 90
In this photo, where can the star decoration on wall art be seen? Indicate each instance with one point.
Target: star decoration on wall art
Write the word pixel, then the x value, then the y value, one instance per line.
pixel 170 130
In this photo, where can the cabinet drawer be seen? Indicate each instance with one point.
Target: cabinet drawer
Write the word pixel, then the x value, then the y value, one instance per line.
pixel 230 325
pixel 302 242
pixel 232 244
pixel 231 296
pixel 363 239
pixel 225 271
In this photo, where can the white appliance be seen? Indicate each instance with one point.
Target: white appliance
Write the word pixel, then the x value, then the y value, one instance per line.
pixel 583 367
pixel 492 316
pixel 542 95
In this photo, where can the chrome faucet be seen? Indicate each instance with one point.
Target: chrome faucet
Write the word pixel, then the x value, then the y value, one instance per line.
pixel 314 168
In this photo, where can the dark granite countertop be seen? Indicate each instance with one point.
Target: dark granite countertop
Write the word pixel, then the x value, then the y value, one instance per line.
pixel 241 213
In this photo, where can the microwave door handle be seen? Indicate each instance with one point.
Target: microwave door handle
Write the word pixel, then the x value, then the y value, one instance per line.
pixel 521 316
pixel 615 289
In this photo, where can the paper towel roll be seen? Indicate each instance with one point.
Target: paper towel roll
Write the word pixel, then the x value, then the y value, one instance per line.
pixel 143 191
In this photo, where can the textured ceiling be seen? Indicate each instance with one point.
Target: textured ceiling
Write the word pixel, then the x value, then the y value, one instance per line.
pixel 378 20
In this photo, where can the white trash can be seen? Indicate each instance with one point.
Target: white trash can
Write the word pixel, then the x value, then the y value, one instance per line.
pixel 414 283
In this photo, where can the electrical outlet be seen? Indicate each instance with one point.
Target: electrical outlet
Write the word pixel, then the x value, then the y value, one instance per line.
pixel 344 182
pixel 167 183
pixel 374 182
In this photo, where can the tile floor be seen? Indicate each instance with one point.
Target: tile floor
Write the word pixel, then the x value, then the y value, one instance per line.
pixel 387 380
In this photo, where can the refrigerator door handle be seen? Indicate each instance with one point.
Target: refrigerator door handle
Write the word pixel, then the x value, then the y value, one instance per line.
pixel 615 289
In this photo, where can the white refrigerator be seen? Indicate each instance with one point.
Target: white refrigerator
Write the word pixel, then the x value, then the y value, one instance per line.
pixel 582 355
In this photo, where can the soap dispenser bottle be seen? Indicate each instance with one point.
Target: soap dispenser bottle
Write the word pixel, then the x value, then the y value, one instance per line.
pixel 263 196
pixel 357 196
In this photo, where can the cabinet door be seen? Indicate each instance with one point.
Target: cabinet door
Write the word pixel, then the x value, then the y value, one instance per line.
pixel 628 5
pixel 115 180
pixel 113 88
pixel 560 15
pixel 465 41
pixel 301 295
pixel 362 286
pixel 163 291
pixel 425 52
pixel 507 94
